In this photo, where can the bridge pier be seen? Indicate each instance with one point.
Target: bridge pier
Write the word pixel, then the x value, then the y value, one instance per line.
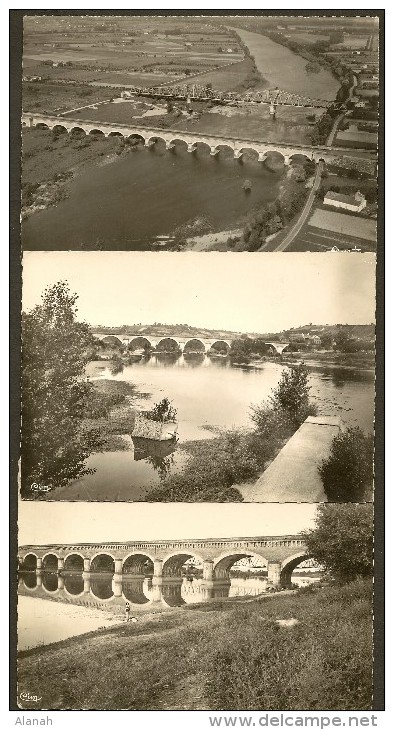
pixel 238 154
pixel 158 568
pixel 60 563
pixel 39 579
pixel 149 143
pixel 86 565
pixel 262 157
pixel 39 565
pixel 286 160
pixel 60 582
pixel 191 146
pixel 274 573
pixel 207 571
pixel 117 586
pixel 118 566
pixel 169 145
pixel 214 151
pixel 86 582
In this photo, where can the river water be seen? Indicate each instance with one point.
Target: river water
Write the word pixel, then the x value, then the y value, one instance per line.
pixel 206 392
pixel 286 70
pixel 52 608
pixel 131 201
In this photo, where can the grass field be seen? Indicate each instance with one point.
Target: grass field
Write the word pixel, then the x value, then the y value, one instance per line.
pixel 224 655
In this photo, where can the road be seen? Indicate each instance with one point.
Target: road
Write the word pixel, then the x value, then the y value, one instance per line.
pixel 304 213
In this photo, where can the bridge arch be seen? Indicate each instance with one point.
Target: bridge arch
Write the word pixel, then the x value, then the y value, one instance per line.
pixel 165 341
pixel 223 345
pixel 288 565
pixel 178 142
pixel 203 147
pixel 74 561
pixel 172 565
pixel 102 562
pixel 59 129
pixel 115 133
pixel 226 148
pixel 154 139
pixel 50 561
pixel 141 340
pixel 193 342
pixel 249 152
pixel 138 564
pixel 223 564
pixel 42 125
pixel 77 131
pixel 29 561
pixel 96 132
pixel 111 340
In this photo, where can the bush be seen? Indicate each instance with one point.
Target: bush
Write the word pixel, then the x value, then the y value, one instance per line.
pixel 347 473
pixel 342 541
pixel 291 396
pixel 162 412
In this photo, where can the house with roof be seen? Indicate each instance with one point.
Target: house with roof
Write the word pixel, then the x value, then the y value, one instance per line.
pixel 355 203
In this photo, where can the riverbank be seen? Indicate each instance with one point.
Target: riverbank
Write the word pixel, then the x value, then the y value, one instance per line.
pixel 212 656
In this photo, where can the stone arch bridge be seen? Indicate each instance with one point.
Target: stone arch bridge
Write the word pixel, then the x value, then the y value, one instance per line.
pixel 205 344
pixel 164 559
pixel 192 140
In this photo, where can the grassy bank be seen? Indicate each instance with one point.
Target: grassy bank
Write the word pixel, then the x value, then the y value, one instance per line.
pixel 223 655
pixel 112 413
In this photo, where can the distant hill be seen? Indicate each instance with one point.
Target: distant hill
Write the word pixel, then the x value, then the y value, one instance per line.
pixel 362 331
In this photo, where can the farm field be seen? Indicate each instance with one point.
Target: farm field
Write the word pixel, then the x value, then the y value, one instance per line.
pixel 317 239
pixel 344 224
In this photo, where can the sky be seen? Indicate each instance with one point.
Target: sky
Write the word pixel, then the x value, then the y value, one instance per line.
pixel 46 523
pixel 241 292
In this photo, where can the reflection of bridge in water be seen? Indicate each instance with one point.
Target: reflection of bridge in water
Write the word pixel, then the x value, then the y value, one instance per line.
pixel 108 592
pixel 154 570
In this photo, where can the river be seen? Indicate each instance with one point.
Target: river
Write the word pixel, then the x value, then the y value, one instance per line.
pixel 53 608
pixel 130 202
pixel 206 392
pixel 286 70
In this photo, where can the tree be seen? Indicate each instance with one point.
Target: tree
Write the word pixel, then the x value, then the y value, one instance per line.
pixel 55 443
pixel 326 340
pixel 292 394
pixel 342 541
pixel 347 473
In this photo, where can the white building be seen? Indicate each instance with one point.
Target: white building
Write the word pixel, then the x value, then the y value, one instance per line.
pixel 355 203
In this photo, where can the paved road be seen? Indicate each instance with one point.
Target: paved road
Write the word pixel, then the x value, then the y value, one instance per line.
pixel 304 213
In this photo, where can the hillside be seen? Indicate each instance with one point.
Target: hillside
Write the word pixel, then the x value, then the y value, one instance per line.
pixel 362 331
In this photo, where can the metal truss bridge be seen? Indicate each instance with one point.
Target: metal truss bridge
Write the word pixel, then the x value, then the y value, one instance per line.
pixel 273 97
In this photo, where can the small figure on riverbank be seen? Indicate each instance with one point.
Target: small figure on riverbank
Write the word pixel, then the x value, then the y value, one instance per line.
pixel 127 611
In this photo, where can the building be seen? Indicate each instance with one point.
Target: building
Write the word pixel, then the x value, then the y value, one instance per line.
pixel 355 203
